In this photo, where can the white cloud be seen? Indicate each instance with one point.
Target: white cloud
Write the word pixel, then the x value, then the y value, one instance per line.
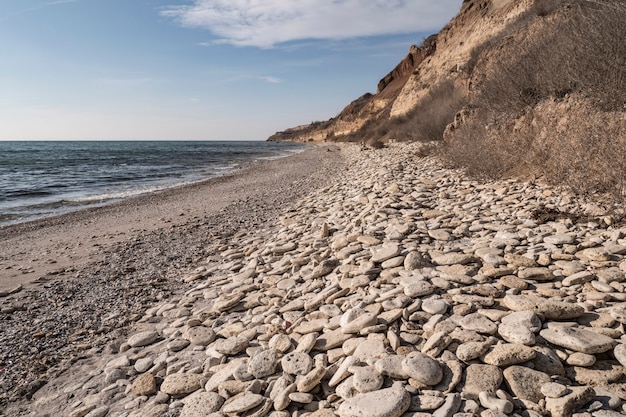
pixel 271 80
pixel 265 23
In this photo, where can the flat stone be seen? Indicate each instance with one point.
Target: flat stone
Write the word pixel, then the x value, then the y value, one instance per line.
pixel 263 363
pixel 526 383
pixel 507 354
pixel 143 338
pixel 578 278
pixel 366 379
pixel 480 377
pixel 422 368
pixel 536 274
pixel 243 403
pixel 418 289
pixel 476 322
pixel 594 254
pixel 559 240
pixel 199 335
pixel 554 390
pixel 145 384
pixel 224 373
pixel 281 342
pixel 426 402
pixel 370 349
pixel 514 333
pixel 182 384
pixel 547 361
pixel 471 350
pixel 201 403
pixel 511 281
pixel 581 359
pixel 550 309
pixel 331 339
pixel 440 234
pixel 526 319
pixel 385 252
pixel 143 364
pixel 453 258
pixel 578 340
pixel 231 346
pixel 451 405
pixel 296 363
pixel 356 319
pixel 388 402
pixel 435 306
pixel 566 405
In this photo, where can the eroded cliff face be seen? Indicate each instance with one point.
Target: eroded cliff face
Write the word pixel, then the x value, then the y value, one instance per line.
pixel 444 56
pixel 368 106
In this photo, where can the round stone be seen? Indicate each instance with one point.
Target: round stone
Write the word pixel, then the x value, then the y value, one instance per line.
pixel 232 345
pixel 199 335
pixel 280 342
pixel 263 363
pixel 422 368
pixel 366 379
pixel 201 403
pixel 297 363
pixel 182 384
pixel 435 306
pixel 144 385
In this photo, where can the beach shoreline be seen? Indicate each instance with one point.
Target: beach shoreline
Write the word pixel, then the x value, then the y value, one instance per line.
pixel 343 267
pixel 77 281
pixel 39 250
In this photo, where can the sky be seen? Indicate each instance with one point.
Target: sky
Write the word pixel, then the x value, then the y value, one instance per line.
pixel 196 69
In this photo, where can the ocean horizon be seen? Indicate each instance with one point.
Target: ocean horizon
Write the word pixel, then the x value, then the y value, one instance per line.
pixel 44 178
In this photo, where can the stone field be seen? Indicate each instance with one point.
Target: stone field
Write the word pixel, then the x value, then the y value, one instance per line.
pixel 399 289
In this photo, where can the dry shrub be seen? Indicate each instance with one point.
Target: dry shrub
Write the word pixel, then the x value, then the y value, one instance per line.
pixel 550 101
pixel 579 49
pixel 428 120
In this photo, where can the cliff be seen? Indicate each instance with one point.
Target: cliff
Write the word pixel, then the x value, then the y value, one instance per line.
pixel 483 87
pixel 441 57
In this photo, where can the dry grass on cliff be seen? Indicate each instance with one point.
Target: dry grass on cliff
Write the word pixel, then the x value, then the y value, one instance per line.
pixel 551 100
pixel 427 122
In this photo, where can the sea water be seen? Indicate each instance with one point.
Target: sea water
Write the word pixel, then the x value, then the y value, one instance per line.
pixel 45 178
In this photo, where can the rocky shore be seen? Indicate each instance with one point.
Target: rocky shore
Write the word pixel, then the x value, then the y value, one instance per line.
pixel 398 288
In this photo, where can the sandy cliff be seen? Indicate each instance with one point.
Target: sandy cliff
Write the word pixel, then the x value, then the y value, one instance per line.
pixel 441 57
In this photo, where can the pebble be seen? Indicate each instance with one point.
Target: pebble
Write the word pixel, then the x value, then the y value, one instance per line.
pixel 143 338
pixel 422 368
pixel 296 363
pixel 578 340
pixel 182 384
pixel 400 287
pixel 388 402
pixel 243 403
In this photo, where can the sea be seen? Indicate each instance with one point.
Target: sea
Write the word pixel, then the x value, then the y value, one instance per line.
pixel 40 179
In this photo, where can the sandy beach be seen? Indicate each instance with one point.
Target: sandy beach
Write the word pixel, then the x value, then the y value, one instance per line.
pixel 71 270
pixel 340 282
pixel 58 247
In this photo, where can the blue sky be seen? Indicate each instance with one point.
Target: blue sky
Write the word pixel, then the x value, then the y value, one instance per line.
pixel 196 69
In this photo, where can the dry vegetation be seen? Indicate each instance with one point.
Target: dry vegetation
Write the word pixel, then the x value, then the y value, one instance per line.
pixel 425 123
pixel 550 101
